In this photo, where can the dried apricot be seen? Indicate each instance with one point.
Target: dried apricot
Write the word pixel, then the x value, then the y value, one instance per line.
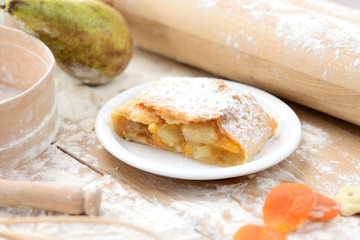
pixel 288 206
pixel 324 209
pixel 255 232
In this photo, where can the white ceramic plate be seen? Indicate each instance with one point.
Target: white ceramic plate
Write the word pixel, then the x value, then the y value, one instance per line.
pixel 166 163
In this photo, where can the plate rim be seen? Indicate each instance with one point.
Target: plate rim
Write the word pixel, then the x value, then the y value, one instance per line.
pixel 204 174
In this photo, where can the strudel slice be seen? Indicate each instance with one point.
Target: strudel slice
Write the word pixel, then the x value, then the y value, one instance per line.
pixel 200 117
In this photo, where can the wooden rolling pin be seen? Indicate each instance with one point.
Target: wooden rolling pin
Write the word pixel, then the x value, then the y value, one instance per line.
pixel 50 196
pixel 306 53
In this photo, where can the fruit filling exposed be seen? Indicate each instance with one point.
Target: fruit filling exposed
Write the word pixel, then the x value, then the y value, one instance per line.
pixel 201 141
pixel 202 118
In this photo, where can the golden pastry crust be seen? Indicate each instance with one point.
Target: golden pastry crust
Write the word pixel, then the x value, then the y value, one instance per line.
pixel 200 117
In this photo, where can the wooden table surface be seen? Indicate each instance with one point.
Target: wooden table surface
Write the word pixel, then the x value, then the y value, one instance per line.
pixel 140 205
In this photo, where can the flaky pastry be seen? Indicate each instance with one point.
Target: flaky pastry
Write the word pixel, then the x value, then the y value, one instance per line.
pixel 200 117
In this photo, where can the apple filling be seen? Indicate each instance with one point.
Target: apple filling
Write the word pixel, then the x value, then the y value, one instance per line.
pixel 202 141
pixel 199 117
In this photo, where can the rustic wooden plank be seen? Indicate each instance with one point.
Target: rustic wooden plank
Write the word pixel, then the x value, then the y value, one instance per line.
pixel 327 158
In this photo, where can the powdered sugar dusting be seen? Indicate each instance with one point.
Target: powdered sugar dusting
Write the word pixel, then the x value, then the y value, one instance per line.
pixel 203 99
pixel 248 123
pixel 196 99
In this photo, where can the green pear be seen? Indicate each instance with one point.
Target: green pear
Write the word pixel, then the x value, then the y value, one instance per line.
pixel 89 39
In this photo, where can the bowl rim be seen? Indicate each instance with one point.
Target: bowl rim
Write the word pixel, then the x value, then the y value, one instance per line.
pixel 49 68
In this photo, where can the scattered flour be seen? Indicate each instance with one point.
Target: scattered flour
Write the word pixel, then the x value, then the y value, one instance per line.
pixel 251 40
pixel 318 33
pixel 229 41
pixel 327 32
pixel 357 62
pixel 313 139
pixel 208 3
pixel 324 75
pixel 118 203
pixel 192 212
pixel 215 209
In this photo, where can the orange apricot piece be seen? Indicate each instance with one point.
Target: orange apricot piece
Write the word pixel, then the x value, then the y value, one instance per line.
pixel 288 206
pixel 255 232
pixel 324 209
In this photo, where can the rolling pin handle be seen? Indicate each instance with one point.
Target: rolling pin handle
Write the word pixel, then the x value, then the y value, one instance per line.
pixel 92 202
pixel 48 196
